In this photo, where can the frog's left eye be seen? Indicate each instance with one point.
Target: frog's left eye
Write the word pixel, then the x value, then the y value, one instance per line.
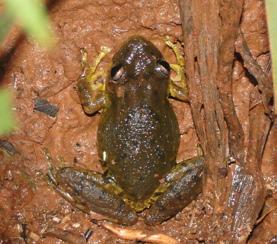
pixel 117 72
pixel 163 67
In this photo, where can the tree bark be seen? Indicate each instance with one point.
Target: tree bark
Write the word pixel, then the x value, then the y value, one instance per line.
pixel 237 190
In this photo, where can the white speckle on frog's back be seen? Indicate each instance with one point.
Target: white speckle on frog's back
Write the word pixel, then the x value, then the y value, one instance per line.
pixel 104 156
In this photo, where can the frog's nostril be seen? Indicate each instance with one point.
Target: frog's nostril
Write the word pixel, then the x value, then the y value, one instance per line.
pixel 117 72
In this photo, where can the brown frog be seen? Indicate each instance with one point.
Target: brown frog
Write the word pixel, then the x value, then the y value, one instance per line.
pixel 138 139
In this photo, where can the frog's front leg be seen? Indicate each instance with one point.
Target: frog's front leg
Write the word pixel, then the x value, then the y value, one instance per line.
pixel 183 184
pixel 91 83
pixel 89 191
pixel 177 87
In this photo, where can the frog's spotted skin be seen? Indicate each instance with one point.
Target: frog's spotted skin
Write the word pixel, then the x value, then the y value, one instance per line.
pixel 138 139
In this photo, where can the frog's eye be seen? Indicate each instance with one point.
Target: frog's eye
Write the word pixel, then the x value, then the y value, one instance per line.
pixel 163 67
pixel 117 72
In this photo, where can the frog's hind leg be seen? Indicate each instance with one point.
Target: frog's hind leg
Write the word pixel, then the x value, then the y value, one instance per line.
pixel 183 185
pixel 89 191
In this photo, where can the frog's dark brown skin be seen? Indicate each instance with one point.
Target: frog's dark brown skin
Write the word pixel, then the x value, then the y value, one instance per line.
pixel 138 139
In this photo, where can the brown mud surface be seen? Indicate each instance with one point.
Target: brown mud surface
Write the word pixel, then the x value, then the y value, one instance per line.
pixel 28 204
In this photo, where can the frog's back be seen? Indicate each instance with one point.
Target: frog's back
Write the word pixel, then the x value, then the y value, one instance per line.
pixel 138 135
pixel 139 145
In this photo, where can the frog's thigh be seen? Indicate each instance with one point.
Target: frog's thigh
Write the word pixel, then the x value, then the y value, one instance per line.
pixel 185 184
pixel 87 189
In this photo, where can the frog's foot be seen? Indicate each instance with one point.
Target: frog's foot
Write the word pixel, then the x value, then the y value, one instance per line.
pixel 89 191
pixel 177 87
pixel 184 183
pixel 51 174
pixel 91 83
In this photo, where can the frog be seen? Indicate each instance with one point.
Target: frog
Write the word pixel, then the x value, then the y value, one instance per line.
pixel 137 139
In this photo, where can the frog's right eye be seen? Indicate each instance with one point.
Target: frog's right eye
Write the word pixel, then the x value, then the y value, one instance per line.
pixel 163 67
pixel 117 72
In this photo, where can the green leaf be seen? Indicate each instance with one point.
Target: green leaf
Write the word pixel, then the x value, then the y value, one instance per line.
pixel 271 8
pixel 32 16
pixel 7 122
pixel 5 24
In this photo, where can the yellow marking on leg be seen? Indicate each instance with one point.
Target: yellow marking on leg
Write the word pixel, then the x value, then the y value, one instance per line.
pixel 176 50
pixel 90 72
pixel 104 51
pixel 178 87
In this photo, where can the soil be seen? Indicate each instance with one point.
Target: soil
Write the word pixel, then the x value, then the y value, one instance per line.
pixel 28 204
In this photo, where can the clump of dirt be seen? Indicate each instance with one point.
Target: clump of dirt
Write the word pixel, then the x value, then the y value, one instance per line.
pixel 28 204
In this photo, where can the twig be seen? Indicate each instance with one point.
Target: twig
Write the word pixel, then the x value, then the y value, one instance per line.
pixel 259 220
pixel 251 64
pixel 139 235
pixel 67 236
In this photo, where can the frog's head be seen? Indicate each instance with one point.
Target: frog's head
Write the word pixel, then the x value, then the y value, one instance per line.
pixel 139 70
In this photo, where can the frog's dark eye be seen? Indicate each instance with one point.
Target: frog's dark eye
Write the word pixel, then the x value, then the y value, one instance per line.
pixel 163 67
pixel 117 72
